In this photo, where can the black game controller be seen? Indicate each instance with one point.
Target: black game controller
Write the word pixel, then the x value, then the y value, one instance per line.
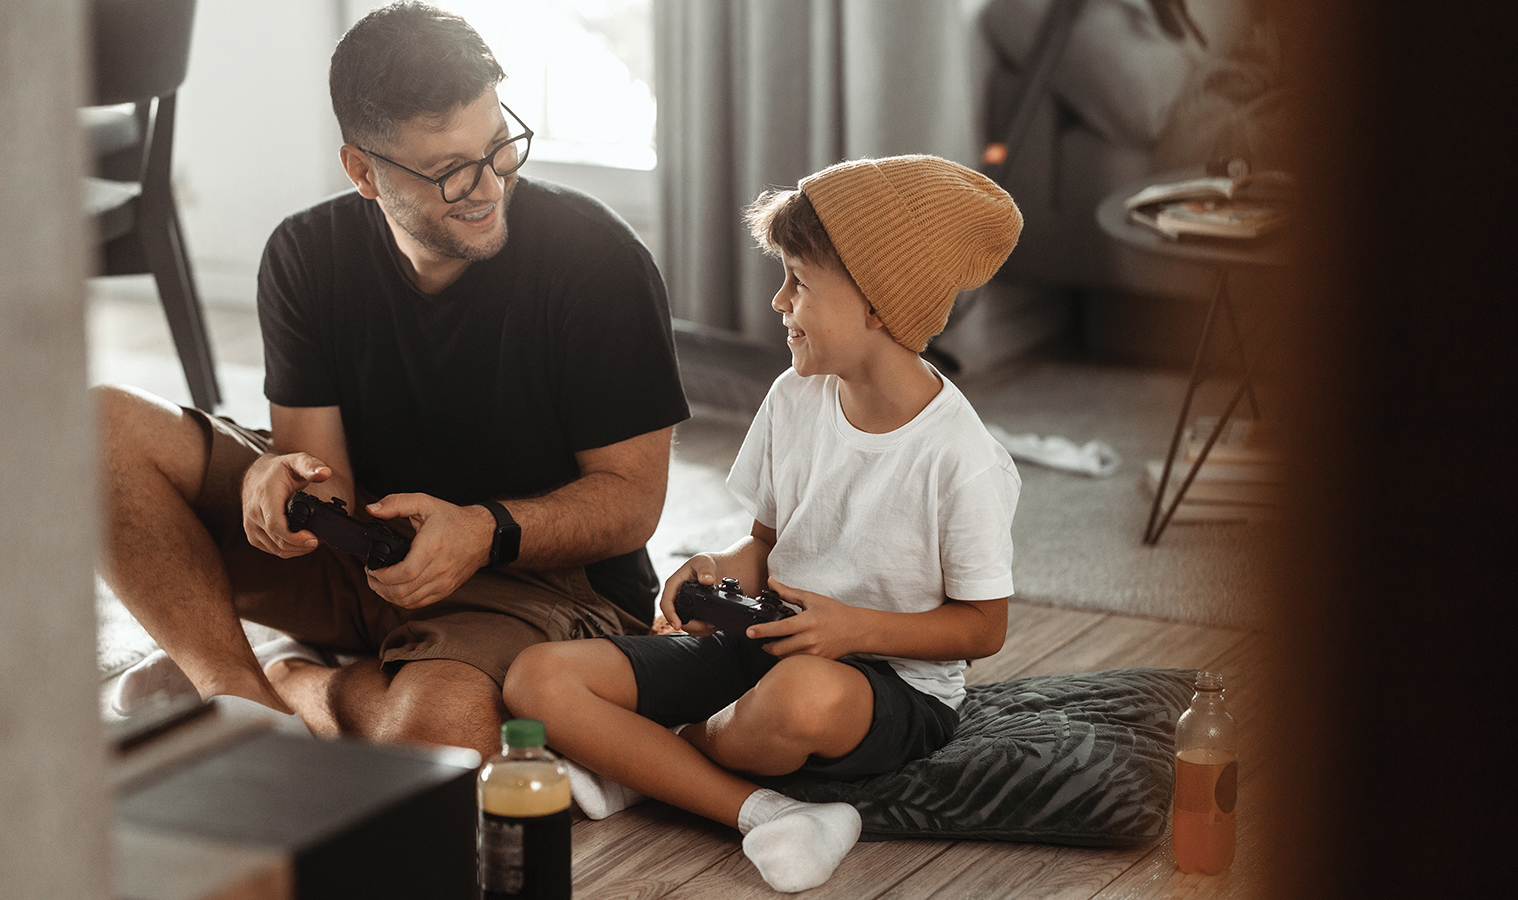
pixel 724 606
pixel 331 523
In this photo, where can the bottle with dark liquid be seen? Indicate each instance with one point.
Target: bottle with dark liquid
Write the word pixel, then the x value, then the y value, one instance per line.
pixel 522 837
pixel 1206 781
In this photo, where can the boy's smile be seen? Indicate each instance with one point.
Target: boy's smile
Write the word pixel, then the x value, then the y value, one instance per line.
pixel 826 317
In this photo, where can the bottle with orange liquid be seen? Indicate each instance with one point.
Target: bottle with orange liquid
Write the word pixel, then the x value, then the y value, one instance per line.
pixel 1206 781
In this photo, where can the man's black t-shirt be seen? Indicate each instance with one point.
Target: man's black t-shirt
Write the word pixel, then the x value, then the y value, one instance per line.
pixel 559 343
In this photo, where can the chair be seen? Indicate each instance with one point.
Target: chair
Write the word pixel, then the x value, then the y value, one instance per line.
pixel 141 52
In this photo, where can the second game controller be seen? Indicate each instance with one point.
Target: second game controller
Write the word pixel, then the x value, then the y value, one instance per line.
pixel 329 521
pixel 724 606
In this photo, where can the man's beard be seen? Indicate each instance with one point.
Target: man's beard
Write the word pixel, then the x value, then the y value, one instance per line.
pixel 433 235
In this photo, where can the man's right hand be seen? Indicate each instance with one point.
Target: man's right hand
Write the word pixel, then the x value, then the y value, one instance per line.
pixel 266 488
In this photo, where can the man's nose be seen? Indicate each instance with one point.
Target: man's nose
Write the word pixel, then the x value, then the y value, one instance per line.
pixel 491 187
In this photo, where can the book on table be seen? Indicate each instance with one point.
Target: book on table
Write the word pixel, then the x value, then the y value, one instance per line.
pixel 1245 207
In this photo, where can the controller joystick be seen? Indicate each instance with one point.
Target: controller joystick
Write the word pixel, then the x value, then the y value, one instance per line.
pixel 329 521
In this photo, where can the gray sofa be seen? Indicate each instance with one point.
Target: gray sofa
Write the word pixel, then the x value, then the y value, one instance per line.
pixel 1127 101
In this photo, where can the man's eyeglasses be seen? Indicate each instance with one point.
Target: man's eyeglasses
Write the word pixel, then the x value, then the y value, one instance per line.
pixel 461 180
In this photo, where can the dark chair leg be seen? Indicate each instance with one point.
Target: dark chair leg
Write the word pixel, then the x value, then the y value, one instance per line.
pixel 163 246
pixel 162 242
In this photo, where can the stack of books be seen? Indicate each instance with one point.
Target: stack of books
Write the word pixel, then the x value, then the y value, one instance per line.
pixel 1245 207
pixel 1241 480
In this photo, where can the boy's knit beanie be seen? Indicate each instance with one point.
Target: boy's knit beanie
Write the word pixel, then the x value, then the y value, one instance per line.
pixel 914 231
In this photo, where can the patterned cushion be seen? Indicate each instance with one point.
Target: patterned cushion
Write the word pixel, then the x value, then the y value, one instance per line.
pixel 1082 759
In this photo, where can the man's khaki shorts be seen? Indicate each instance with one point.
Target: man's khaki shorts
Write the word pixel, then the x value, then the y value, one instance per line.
pixel 323 598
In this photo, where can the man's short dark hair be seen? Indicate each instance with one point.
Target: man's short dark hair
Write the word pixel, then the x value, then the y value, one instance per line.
pixel 404 61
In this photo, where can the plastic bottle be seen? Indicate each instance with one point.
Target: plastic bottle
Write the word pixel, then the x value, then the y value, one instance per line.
pixel 1206 781
pixel 522 837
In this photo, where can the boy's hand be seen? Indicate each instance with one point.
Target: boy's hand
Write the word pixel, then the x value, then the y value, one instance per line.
pixel 825 627
pixel 703 568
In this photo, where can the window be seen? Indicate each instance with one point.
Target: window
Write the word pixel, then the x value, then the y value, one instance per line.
pixel 579 72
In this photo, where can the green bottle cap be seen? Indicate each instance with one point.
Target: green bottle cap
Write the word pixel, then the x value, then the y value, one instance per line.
pixel 523 733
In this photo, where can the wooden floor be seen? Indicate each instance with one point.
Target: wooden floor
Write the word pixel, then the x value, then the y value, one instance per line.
pixel 656 851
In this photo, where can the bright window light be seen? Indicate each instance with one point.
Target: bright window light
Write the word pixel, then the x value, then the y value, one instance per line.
pixel 579 72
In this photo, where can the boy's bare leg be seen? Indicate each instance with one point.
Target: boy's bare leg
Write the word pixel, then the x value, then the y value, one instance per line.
pixel 804 706
pixel 584 692
pixel 159 559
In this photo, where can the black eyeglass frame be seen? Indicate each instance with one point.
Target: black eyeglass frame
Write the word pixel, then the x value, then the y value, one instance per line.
pixel 479 164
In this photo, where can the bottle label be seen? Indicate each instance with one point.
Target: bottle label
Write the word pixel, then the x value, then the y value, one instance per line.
pixel 1208 786
pixel 524 856
pixel 500 853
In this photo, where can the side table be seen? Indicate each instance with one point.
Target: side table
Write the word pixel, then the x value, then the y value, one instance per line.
pixel 1222 255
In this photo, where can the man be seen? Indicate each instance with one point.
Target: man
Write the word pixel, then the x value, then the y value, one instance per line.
pixel 481 359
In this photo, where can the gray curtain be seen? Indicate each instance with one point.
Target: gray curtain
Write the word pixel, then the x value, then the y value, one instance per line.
pixel 760 93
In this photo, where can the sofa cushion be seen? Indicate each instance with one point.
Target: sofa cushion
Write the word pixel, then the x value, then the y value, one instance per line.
pixel 1082 759
pixel 1120 73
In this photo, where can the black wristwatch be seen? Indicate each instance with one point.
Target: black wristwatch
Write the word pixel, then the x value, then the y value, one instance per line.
pixel 506 543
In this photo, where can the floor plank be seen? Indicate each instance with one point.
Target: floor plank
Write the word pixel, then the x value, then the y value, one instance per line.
pixel 998 871
pixel 648 850
pixel 1033 632
pixel 1119 642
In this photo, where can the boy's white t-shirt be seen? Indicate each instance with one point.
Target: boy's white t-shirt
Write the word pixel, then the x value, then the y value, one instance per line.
pixel 900 521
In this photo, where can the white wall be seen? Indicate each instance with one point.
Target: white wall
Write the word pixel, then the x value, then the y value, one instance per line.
pixel 255 139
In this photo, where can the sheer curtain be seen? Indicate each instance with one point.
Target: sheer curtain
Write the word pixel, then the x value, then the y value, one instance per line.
pixel 758 93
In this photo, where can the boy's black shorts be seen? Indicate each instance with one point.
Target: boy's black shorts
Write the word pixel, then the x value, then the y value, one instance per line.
pixel 683 678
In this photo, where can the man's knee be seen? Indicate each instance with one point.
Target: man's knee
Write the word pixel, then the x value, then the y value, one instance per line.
pixel 141 434
pixel 426 702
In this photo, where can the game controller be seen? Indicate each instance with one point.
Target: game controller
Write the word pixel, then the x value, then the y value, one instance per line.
pixel 724 606
pixel 330 522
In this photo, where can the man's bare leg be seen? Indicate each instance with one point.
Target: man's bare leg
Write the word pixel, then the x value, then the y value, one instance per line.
pixel 159 559
pixel 425 702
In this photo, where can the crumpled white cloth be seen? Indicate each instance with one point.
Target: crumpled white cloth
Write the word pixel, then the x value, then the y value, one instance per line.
pixel 1094 458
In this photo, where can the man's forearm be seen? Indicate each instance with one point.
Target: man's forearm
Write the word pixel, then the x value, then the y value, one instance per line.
pixel 595 517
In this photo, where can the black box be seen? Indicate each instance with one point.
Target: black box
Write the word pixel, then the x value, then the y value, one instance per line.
pixel 353 819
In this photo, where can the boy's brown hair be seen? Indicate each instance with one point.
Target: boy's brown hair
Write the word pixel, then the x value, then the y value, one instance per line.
pixel 784 221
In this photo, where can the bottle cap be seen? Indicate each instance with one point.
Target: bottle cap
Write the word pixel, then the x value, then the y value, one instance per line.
pixel 523 733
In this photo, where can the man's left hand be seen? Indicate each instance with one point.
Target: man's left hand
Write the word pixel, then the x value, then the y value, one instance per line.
pixel 451 544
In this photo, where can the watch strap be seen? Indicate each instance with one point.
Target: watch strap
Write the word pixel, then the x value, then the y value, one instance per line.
pixel 506 541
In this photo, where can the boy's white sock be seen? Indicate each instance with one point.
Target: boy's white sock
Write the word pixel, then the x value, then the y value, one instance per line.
pixel 598 797
pixel 796 845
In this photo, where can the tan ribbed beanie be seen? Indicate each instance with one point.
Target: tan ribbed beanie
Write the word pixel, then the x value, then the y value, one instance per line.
pixel 914 231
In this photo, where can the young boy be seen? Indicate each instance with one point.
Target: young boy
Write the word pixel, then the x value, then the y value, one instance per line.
pixel 882 508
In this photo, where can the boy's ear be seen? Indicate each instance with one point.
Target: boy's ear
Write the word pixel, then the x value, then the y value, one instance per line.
pixel 360 170
pixel 872 318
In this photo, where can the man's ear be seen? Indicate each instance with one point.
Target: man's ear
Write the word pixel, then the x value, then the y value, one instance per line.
pixel 360 169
